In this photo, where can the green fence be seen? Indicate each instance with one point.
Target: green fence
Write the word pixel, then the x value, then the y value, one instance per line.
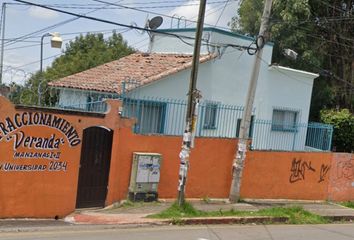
pixel 268 135
pixel 167 117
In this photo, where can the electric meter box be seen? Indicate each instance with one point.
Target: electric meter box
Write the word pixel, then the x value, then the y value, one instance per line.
pixel 145 176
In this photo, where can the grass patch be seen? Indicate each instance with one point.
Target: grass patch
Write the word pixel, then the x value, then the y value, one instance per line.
pixel 176 211
pixel 296 215
pixel 349 204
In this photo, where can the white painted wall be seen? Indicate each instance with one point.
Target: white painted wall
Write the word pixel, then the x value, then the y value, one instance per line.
pixel 225 80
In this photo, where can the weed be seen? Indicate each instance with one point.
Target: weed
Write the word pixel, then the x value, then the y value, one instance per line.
pixel 349 204
pixel 296 214
pixel 206 199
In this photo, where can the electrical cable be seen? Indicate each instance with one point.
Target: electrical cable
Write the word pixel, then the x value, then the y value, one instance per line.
pixel 51 27
pixel 150 12
pixel 180 37
pixel 190 22
pixel 13 41
pixel 72 33
pixel 140 7
pixel 56 55
pixel 130 27
pixel 222 11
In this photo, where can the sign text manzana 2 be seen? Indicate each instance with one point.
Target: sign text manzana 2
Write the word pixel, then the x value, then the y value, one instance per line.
pixel 28 146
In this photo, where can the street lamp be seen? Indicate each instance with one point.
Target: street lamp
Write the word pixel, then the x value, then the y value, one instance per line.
pixel 55 42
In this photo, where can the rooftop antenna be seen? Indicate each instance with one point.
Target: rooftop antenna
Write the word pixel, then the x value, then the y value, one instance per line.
pixel 155 22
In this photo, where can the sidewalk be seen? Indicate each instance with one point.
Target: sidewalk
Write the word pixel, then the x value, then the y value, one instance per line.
pixel 136 214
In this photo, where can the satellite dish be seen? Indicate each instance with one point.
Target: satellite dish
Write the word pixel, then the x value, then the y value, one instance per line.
pixel 155 22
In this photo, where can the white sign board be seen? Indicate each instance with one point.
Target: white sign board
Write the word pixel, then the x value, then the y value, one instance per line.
pixel 148 169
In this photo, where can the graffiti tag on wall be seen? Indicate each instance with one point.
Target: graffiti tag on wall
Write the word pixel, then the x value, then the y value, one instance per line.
pixel 299 169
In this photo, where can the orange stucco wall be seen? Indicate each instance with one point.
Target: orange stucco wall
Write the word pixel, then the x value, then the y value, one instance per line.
pixel 49 193
pixel 210 165
pixel 286 175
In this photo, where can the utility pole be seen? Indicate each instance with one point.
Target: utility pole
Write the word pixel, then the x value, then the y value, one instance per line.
pixel 193 101
pixel 3 14
pixel 238 163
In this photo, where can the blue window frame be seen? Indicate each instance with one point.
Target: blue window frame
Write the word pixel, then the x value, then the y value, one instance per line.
pixel 210 115
pixel 284 120
pixel 150 115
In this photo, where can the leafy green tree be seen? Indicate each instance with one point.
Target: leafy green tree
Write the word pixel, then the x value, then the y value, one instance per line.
pixel 343 123
pixel 84 52
pixel 321 32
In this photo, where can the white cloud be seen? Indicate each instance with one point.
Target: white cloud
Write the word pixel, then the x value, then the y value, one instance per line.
pixel 42 13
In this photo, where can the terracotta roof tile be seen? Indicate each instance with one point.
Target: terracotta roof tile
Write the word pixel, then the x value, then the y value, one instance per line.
pixel 140 67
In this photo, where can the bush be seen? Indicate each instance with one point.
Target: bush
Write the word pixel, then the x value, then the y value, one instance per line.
pixel 343 123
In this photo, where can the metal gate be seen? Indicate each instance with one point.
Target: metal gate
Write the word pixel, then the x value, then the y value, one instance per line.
pixel 94 167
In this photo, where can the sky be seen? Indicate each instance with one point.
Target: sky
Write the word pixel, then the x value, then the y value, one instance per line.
pixel 25 25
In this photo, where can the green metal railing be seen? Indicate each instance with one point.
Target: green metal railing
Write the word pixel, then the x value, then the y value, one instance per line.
pixel 268 135
pixel 167 117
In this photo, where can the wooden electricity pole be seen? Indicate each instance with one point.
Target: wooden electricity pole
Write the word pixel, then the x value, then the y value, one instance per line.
pixel 193 100
pixel 2 27
pixel 238 163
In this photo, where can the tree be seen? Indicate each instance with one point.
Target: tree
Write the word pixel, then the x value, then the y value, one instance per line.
pixel 81 54
pixel 321 32
pixel 343 124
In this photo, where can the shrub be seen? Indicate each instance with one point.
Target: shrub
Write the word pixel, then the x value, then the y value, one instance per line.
pixel 343 124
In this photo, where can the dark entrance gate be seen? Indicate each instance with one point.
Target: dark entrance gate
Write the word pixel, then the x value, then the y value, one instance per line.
pixel 94 167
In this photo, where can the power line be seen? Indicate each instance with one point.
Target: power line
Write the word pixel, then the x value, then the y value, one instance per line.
pixel 52 26
pixel 15 40
pixel 53 56
pixel 100 20
pixel 190 22
pixel 72 33
pixel 180 37
pixel 222 11
pixel 140 7
pixel 24 65
pixel 150 12
pixel 127 26
pixel 321 73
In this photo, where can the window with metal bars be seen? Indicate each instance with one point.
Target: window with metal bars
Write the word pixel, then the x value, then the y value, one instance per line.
pixel 284 120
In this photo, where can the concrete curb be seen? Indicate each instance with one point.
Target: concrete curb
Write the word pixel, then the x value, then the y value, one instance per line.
pixel 340 218
pixel 229 220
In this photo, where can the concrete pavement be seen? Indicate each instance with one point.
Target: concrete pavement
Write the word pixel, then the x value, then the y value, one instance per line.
pixel 135 215
pixel 196 232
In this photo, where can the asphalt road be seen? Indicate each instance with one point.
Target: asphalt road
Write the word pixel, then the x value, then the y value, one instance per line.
pixel 229 232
